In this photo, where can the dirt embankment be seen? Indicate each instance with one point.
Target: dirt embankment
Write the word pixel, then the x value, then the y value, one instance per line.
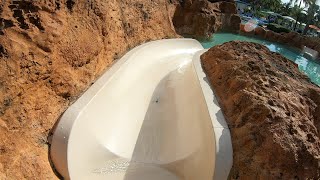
pixel 272 109
pixel 50 52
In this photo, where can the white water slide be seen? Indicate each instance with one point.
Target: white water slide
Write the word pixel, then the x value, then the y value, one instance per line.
pixel 152 116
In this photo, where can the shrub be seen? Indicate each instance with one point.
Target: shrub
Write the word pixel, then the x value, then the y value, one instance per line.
pixel 277 28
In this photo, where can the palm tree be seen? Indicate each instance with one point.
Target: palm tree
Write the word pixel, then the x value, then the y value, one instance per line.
pixel 296 11
pixel 286 8
pixel 307 3
pixel 311 16
pixel 317 18
pixel 273 5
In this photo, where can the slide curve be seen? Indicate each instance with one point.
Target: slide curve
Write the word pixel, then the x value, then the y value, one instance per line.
pixel 152 115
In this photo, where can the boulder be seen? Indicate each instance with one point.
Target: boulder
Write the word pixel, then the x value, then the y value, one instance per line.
pixel 272 36
pixel 201 18
pixel 294 39
pixel 272 110
pixel 242 28
pixel 283 39
pixel 311 42
pixel 317 48
pixel 227 7
pixel 221 0
pixel 260 31
pixel 235 22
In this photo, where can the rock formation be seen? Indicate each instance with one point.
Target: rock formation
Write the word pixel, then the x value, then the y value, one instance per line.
pixel 296 40
pixel 50 52
pixel 201 18
pixel 292 38
pixel 272 109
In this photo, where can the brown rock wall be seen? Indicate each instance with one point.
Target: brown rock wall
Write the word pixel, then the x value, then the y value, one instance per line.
pixel 272 110
pixel 201 18
pixel 50 53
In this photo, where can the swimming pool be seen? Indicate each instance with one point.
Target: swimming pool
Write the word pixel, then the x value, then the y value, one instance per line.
pixel 310 67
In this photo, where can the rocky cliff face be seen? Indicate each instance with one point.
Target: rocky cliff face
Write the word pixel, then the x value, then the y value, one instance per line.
pixel 50 52
pixel 272 109
pixel 201 18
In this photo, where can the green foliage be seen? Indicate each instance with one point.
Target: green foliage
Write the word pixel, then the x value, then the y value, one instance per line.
pixel 277 28
pixel 285 9
pixel 272 5
pixel 260 14
pixel 296 11
pixel 247 10
pixel 294 8
pixel 299 14
pixel 312 15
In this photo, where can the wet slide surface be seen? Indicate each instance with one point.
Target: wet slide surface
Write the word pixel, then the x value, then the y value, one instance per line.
pixel 151 116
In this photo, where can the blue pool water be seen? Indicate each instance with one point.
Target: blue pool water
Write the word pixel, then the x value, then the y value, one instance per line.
pixel 310 67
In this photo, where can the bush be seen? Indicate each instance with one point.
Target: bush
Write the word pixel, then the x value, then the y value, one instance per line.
pixel 277 28
pixel 259 14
